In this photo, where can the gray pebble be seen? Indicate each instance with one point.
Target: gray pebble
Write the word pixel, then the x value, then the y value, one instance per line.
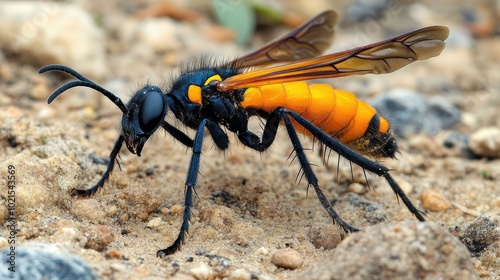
pixel 361 10
pixel 35 263
pixel 411 113
pixel 481 233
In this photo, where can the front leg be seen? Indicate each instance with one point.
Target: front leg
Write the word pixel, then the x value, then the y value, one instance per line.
pixel 105 176
pixel 177 134
pixel 221 141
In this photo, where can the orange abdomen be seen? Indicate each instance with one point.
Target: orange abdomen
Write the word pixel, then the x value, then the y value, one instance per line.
pixel 337 112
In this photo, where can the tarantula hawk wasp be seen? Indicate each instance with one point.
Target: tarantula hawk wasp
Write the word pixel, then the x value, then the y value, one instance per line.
pixel 227 95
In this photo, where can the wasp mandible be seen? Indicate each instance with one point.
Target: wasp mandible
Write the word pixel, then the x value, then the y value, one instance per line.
pixel 229 94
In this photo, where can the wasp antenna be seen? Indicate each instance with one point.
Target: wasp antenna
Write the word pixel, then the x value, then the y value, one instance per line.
pixel 62 68
pixel 83 82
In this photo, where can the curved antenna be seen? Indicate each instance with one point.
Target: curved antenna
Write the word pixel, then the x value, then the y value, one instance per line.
pixel 83 82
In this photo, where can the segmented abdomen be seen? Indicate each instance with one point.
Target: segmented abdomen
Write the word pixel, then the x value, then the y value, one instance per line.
pixel 337 112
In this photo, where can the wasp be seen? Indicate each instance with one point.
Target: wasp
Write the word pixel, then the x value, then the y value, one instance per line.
pixel 224 97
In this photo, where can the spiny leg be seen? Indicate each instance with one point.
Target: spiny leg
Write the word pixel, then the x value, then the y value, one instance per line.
pixel 311 177
pixel 357 159
pixel 222 142
pixel 105 176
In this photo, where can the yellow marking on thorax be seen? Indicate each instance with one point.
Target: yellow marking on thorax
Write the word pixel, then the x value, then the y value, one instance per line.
pixel 194 94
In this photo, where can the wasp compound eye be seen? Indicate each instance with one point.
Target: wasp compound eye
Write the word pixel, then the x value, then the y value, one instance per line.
pixel 151 111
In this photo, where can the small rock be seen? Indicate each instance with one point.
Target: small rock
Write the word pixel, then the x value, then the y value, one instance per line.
pixel 240 274
pixel 262 251
pixel 356 188
pixel 98 236
pixel 287 258
pixel 434 201
pixel 47 262
pixel 486 142
pixel 371 211
pixel 456 139
pixel 70 235
pixel 202 271
pixel 199 251
pixel 114 254
pixel 361 10
pixel 411 113
pixel 406 250
pixel 155 222
pixel 482 232
pixel 326 236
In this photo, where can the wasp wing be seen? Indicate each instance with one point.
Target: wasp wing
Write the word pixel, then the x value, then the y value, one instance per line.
pixel 308 40
pixel 378 58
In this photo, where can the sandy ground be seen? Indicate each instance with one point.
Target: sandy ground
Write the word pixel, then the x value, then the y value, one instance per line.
pixel 248 205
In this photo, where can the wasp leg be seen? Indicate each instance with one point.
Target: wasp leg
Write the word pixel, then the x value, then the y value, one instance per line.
pixel 221 140
pixel 355 158
pixel 105 176
pixel 251 140
pixel 309 174
pixel 177 134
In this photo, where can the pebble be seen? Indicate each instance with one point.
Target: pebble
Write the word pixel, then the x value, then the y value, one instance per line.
pixel 53 32
pixel 412 113
pixel 434 201
pixel 46 262
pixel 326 236
pixel 371 211
pixel 155 222
pixel 361 10
pixel 287 258
pixel 199 251
pixel 486 142
pixel 457 140
pixel 98 236
pixel 202 271
pixel 356 188
pixel 482 232
pixel 115 254
pixel 403 250
pixel 70 235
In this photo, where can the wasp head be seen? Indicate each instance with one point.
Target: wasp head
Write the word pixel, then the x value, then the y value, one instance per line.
pixel 145 113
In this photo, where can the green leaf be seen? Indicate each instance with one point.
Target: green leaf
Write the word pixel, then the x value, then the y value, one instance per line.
pixel 237 15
